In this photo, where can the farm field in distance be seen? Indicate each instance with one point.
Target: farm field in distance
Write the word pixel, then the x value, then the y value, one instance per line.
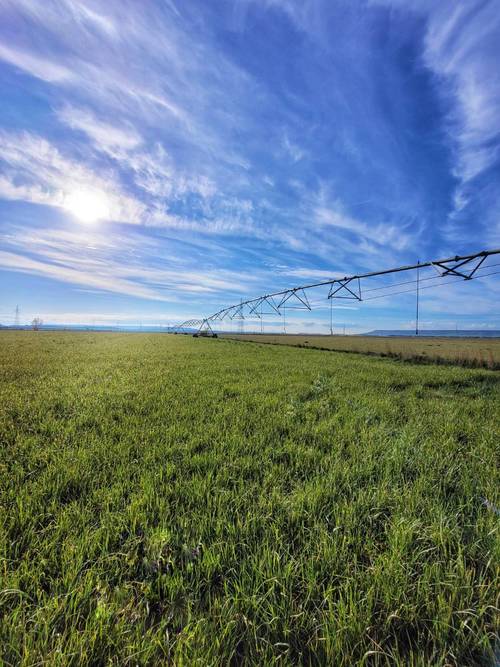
pixel 475 352
pixel 171 500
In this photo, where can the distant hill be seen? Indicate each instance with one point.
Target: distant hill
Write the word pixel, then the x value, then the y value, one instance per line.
pixel 460 333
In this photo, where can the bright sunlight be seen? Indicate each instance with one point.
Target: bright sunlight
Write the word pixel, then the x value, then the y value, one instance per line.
pixel 87 205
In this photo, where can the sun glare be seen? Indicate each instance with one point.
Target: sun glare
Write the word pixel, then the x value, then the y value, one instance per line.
pixel 87 205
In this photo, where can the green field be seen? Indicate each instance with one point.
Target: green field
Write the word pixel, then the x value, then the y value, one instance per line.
pixel 471 352
pixel 170 500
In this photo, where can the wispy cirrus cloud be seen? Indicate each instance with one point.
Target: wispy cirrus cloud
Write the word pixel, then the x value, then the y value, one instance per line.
pixel 380 234
pixel 293 149
pixel 460 48
pixel 102 280
pixel 35 64
pixel 113 263
pixel 461 45
pixel 194 192
pixel 340 137
pixel 152 168
pixel 37 172
pixel 105 136
pixel 175 80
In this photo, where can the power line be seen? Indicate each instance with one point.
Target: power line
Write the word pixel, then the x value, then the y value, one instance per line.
pixel 412 282
pixel 439 280
pixel 448 282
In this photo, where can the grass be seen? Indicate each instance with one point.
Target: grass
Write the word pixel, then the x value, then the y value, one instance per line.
pixel 469 352
pixel 170 500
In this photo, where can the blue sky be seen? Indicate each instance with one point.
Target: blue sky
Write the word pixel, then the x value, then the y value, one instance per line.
pixel 229 148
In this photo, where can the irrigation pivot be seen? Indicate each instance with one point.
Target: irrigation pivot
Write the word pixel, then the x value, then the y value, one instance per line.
pixel 465 267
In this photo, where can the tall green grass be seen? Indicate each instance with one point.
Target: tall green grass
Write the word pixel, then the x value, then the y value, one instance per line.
pixel 169 500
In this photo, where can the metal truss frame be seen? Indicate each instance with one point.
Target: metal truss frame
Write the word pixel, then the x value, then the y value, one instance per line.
pixel 343 287
pixel 348 287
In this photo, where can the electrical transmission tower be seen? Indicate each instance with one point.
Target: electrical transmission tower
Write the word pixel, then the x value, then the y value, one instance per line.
pixel 16 318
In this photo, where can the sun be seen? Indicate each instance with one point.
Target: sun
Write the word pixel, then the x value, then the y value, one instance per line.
pixel 87 205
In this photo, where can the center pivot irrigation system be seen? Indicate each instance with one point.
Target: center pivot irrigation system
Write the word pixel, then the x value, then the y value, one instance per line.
pixel 466 267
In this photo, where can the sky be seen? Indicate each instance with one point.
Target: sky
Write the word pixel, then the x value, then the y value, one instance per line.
pixel 162 159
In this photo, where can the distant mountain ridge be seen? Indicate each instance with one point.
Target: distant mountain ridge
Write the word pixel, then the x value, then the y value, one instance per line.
pixel 456 333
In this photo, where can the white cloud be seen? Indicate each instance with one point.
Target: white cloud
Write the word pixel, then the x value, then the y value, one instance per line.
pixel 104 136
pixel 31 193
pixel 37 172
pixel 102 281
pixel 96 59
pixel 155 173
pixel 293 150
pixel 380 234
pixel 225 226
pixel 110 262
pixel 461 49
pixel 141 62
pixel 160 120
pixel 142 75
pixel 152 167
pixel 35 65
